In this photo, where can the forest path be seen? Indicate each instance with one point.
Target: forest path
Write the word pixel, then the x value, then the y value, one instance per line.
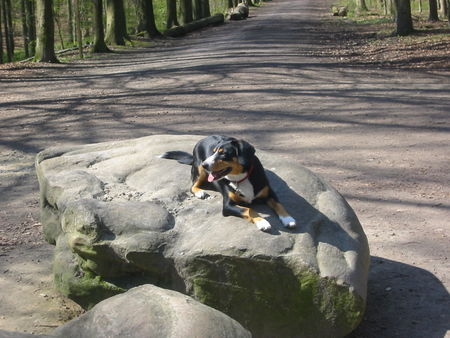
pixel 381 137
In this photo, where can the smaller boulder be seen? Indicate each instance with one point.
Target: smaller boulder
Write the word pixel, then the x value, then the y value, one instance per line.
pixel 339 10
pixel 149 311
pixel 240 12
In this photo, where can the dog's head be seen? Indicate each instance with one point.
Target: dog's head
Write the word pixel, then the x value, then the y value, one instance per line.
pixel 229 156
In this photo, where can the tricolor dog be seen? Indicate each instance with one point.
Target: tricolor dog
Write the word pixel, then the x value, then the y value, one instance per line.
pixel 229 166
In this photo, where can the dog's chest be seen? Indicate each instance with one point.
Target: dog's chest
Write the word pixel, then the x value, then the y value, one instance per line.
pixel 244 190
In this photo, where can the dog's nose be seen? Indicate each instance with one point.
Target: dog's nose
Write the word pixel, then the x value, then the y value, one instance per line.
pixel 206 165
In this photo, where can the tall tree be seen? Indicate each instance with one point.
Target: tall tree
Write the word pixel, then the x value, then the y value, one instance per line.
pixel 31 24
pixel 78 28
pixel 361 6
pixel 186 11
pixel 433 11
pixel 99 41
pixel 1 37
pixel 448 12
pixel 116 27
pixel 9 31
pixel 443 8
pixel 201 9
pixel 70 23
pixel 149 18
pixel 403 18
pixel 45 47
pixel 25 35
pixel 172 19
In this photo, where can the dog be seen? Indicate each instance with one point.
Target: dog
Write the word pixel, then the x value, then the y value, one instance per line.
pixel 230 166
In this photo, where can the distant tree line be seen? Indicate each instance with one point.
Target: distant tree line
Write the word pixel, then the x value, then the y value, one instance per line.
pixel 401 10
pixel 40 27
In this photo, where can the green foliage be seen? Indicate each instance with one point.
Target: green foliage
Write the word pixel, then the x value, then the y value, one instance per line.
pixel 64 29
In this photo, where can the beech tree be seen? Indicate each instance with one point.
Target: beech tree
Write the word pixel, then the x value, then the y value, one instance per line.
pixel 433 16
pixel 8 29
pixel 99 41
pixel 448 12
pixel 404 25
pixel 361 5
pixel 45 47
pixel 172 19
pixel 186 11
pixel 1 37
pixel 116 27
pixel 147 18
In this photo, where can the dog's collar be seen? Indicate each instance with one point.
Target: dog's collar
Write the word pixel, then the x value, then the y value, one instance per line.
pixel 249 172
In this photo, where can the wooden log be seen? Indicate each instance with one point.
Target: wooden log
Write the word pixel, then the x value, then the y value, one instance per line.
pixel 194 25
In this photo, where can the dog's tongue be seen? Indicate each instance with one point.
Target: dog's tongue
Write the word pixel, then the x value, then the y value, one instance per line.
pixel 212 177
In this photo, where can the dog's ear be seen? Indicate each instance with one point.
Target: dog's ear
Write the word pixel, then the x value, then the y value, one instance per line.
pixel 245 153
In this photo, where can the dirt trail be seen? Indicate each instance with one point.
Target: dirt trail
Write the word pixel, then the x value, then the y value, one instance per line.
pixel 381 137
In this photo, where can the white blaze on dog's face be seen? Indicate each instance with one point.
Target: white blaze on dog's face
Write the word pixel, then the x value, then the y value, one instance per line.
pixel 222 162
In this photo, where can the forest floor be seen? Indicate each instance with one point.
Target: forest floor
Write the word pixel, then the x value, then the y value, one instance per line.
pixel 366 110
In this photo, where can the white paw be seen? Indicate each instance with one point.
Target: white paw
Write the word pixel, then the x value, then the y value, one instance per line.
pixel 202 194
pixel 263 225
pixel 288 221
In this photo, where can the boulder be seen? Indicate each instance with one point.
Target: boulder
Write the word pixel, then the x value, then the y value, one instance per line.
pixel 122 217
pixel 240 12
pixel 339 10
pixel 149 311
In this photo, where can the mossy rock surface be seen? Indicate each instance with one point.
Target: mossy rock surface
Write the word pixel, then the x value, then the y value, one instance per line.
pixel 121 217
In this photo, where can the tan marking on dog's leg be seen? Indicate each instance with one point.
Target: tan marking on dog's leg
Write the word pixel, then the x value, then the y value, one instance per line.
pixel 263 193
pixel 195 189
pixel 234 197
pixel 287 220
pixel 252 216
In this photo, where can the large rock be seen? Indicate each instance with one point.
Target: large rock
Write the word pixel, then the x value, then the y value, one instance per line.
pixel 120 217
pixel 151 312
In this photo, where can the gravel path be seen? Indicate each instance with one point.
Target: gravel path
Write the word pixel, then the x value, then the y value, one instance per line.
pixel 381 137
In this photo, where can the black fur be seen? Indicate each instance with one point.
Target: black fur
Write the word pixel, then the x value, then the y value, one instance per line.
pixel 228 150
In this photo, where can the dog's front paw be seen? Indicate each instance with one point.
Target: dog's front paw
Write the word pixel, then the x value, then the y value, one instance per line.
pixel 202 194
pixel 288 222
pixel 263 225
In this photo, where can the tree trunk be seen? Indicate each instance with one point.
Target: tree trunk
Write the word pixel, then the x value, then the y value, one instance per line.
pixel 172 19
pixel 70 23
pixel 361 6
pixel 31 24
pixel 443 8
pixel 99 43
pixel 78 28
pixel 448 12
pixel 23 15
pixel 149 19
pixel 116 29
pixel 45 48
pixel 1 36
pixel 186 11
pixel 433 11
pixel 403 17
pixel 7 25
pixel 206 9
pixel 197 9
